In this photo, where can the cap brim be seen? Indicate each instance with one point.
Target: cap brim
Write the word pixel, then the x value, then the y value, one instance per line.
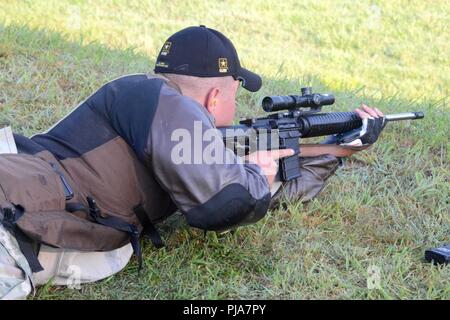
pixel 250 81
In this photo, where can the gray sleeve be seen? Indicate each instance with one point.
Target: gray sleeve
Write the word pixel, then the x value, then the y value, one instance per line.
pixel 204 179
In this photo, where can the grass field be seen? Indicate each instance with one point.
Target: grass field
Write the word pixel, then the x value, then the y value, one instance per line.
pixel 382 209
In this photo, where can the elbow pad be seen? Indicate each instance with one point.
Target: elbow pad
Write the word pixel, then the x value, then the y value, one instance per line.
pixel 233 206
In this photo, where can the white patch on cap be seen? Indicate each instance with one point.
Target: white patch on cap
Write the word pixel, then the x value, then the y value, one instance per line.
pixel 162 64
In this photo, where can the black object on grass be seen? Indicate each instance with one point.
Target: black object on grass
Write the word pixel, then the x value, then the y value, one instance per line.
pixel 439 255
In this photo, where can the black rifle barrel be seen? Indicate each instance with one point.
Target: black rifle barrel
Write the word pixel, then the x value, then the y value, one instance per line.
pixel 321 124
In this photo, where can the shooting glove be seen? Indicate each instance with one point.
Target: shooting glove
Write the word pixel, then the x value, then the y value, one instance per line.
pixel 373 128
pixel 366 135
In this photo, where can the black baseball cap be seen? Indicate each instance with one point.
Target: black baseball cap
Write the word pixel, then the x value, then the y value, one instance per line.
pixel 204 52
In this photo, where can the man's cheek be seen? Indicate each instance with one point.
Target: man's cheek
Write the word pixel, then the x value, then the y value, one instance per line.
pixel 233 110
pixel 230 117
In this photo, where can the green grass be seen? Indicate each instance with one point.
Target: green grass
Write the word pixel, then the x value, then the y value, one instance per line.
pixel 383 208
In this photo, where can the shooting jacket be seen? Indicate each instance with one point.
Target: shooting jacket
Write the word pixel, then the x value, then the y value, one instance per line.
pixel 104 173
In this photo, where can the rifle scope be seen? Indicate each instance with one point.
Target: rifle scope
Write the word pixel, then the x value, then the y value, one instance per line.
pixel 306 100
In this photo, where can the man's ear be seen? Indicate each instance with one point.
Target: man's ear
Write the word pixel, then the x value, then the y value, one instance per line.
pixel 212 99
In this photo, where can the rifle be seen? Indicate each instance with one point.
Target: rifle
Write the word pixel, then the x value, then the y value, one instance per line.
pixel 283 130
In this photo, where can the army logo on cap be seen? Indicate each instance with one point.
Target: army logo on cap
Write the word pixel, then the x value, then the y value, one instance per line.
pixel 223 65
pixel 166 48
